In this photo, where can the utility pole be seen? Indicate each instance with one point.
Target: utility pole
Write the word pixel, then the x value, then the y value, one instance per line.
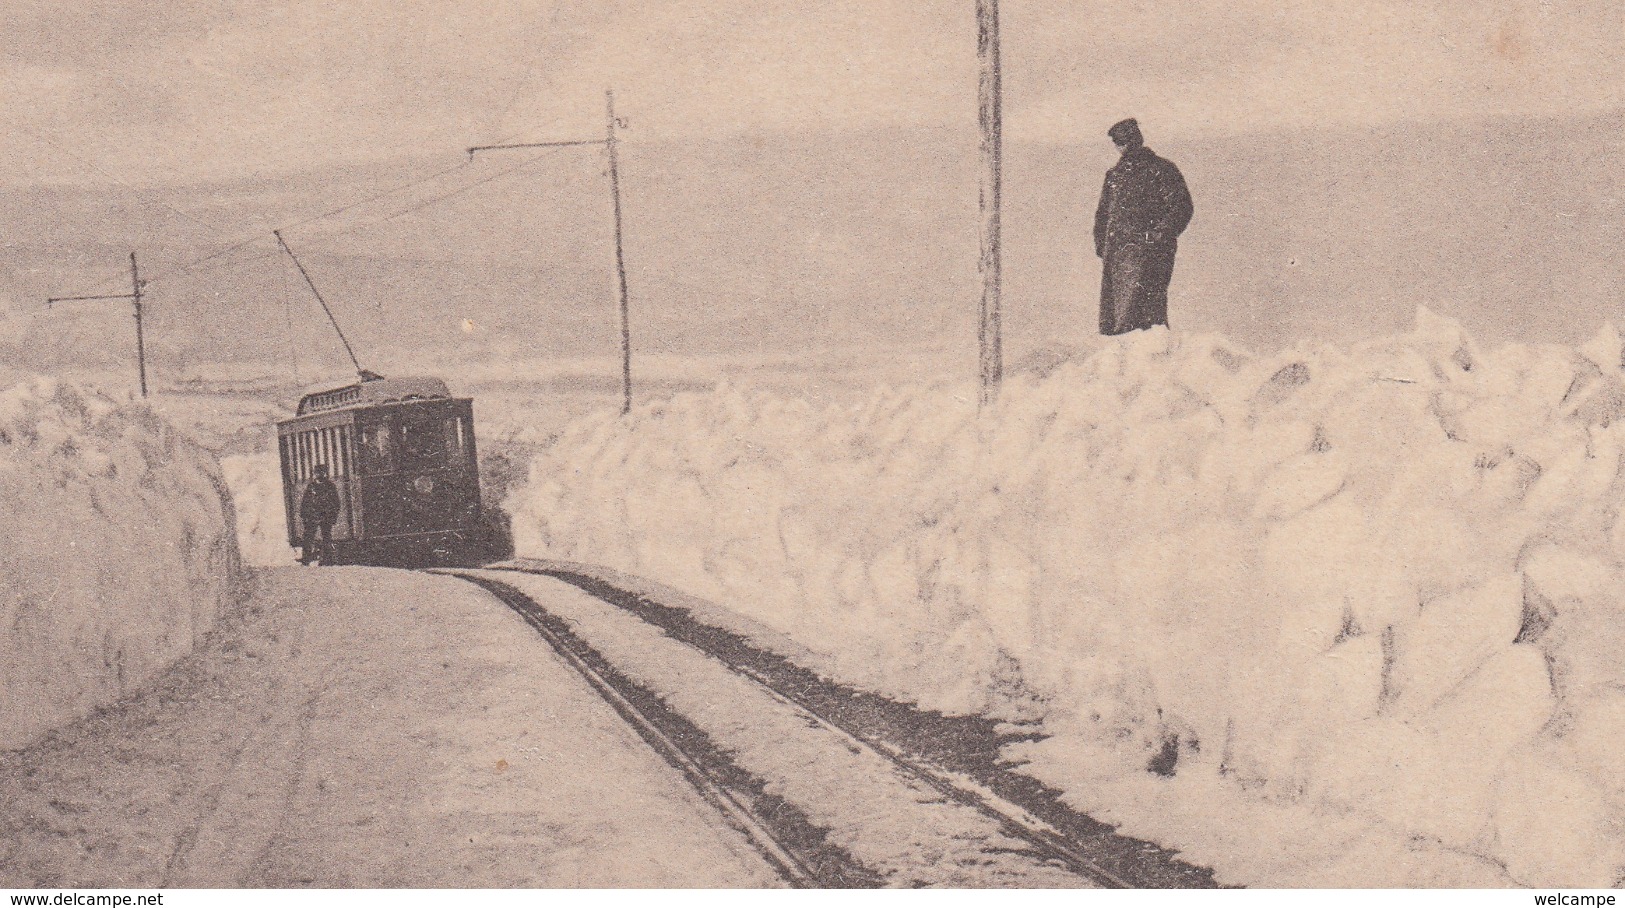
pixel 136 285
pixel 610 142
pixel 991 120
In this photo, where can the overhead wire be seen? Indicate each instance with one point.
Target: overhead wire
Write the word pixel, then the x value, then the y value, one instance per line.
pixel 536 53
pixel 262 236
pixel 533 159
pixel 164 274
pixel 193 267
pixel 218 257
pixel 460 261
pixel 444 196
pixel 373 198
pixel 198 265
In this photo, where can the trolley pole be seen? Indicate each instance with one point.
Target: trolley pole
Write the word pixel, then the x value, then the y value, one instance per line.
pixel 611 142
pixel 360 372
pixel 991 120
pixel 134 296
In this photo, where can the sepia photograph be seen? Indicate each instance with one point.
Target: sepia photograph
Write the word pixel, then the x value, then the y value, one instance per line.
pixel 811 444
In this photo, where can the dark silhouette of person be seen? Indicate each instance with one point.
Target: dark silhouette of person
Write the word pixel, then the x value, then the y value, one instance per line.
pixel 1144 207
pixel 318 511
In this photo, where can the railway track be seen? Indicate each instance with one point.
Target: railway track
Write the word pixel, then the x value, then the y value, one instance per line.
pixel 1021 809
pixel 797 851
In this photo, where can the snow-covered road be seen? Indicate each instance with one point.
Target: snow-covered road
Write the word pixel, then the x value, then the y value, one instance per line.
pixel 362 727
pixel 366 727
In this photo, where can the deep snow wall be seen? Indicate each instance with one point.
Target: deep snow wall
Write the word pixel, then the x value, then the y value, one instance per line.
pixel 1383 580
pixel 255 481
pixel 119 552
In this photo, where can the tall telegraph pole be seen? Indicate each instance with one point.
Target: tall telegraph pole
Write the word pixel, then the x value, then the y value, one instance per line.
pixel 620 262
pixel 610 141
pixel 991 119
pixel 134 296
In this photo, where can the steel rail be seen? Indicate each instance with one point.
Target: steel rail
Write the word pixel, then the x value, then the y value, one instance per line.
pixel 1013 820
pixel 621 694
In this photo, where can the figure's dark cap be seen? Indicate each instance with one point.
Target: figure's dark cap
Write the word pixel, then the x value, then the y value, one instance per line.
pixel 1126 132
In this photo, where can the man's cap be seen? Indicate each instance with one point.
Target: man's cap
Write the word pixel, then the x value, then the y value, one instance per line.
pixel 1126 132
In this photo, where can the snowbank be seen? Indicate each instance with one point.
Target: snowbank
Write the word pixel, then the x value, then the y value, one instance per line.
pixel 1382 582
pixel 119 552
pixel 255 481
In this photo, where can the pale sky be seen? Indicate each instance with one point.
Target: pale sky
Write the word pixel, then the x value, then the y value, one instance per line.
pixel 182 90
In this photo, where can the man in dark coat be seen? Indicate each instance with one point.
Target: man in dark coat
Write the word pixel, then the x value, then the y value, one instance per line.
pixel 1144 207
pixel 318 511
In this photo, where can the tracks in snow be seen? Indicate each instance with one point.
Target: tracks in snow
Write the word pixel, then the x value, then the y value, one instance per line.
pixel 797 849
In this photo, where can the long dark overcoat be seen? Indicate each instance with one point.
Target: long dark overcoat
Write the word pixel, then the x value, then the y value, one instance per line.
pixel 1144 207
pixel 320 504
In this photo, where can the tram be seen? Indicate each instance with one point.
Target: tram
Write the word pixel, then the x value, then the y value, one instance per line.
pixel 402 455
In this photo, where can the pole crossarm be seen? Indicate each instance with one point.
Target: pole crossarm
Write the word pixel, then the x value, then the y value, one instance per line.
pixel 609 141
pixel 476 148
pixel 74 299
pixel 137 284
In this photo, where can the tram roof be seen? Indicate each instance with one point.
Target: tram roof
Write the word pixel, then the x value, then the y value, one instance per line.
pixel 373 392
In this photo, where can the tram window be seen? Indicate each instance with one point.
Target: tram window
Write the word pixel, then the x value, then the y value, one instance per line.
pixel 456 431
pixel 422 446
pixel 343 433
pixel 330 451
pixel 377 449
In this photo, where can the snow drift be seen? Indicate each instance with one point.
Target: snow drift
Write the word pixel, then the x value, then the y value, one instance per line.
pixel 119 552
pixel 1382 582
pixel 255 481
